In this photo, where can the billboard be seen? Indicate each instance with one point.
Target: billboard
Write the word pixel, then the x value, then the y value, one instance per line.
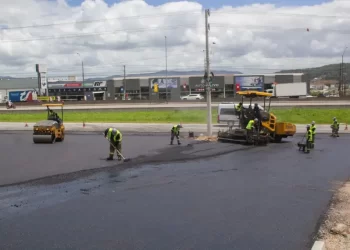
pixel 249 83
pixel 163 83
pixel 23 96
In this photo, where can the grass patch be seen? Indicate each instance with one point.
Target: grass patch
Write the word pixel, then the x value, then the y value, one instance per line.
pixel 294 115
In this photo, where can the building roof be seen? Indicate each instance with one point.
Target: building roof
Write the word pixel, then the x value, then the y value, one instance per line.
pixel 18 83
pixel 187 76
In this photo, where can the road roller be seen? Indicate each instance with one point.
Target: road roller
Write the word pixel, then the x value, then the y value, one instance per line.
pixel 52 129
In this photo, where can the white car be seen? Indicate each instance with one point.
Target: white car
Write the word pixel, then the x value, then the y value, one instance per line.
pixel 192 97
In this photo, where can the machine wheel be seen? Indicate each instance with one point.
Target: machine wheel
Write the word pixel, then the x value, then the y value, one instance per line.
pixel 278 138
pixel 61 139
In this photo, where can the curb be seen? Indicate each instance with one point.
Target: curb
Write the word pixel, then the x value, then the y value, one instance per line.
pixel 319 245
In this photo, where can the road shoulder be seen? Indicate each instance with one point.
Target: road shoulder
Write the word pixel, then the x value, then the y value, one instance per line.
pixel 335 230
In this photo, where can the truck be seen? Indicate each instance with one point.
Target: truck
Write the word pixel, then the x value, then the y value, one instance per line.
pixel 291 90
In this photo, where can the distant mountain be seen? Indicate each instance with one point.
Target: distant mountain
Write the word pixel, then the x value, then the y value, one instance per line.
pixel 327 72
pixel 163 73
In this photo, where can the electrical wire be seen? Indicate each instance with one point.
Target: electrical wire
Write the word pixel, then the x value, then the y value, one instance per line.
pixel 175 13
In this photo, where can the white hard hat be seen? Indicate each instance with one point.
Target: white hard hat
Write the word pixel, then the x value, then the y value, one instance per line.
pixel 313 123
pixel 256 119
pixel 308 126
pixel 334 118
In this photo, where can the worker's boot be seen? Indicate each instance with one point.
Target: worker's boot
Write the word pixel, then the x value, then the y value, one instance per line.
pixel 178 142
pixel 171 142
pixel 119 158
pixel 110 158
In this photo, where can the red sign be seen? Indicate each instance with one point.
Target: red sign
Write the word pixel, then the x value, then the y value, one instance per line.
pixel 238 87
pixel 72 85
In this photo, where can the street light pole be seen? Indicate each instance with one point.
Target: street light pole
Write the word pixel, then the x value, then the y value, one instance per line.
pixel 342 72
pixel 82 73
pixel 166 70
pixel 209 115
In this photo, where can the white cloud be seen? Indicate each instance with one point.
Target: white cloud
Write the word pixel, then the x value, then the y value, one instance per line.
pixel 252 39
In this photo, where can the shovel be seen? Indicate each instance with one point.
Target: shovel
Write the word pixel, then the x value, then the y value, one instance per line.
pixel 124 159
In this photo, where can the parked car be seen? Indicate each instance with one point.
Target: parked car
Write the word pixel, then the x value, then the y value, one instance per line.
pixel 192 97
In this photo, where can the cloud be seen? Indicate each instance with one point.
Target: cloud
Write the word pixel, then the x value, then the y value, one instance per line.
pixel 258 38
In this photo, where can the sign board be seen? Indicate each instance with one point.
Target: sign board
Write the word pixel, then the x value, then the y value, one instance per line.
pixel 70 90
pixel 23 96
pixel 163 83
pixel 249 82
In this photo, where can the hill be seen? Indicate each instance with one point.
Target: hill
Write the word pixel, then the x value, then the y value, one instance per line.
pixel 163 73
pixel 327 72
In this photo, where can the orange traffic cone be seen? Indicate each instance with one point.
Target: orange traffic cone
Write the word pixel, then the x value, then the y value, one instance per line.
pixel 26 125
pixel 346 126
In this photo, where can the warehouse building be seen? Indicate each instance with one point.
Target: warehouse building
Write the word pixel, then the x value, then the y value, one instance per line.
pixel 142 88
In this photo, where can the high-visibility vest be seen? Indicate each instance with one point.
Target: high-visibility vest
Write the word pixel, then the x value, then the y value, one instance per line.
pixel 309 135
pixel 175 129
pixel 250 124
pixel 113 135
pixel 313 129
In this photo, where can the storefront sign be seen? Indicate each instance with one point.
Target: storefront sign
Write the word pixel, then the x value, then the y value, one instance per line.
pixel 70 90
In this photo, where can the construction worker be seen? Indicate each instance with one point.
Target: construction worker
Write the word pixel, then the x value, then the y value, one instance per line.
pixel 252 124
pixel 335 127
pixel 175 131
pixel 308 137
pixel 239 110
pixel 313 130
pixel 115 142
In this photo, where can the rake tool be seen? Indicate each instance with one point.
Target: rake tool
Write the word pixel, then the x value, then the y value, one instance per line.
pixel 124 159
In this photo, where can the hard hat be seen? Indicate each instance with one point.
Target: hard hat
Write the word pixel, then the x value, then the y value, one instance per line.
pixel 308 126
pixel 334 118
pixel 313 123
pixel 179 126
pixel 256 119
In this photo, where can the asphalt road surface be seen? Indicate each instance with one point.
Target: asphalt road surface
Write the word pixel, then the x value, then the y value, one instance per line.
pixel 257 198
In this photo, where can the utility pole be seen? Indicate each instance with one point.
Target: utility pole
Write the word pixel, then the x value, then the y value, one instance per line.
pixel 124 85
pixel 82 70
pixel 166 70
pixel 82 73
pixel 209 115
pixel 342 88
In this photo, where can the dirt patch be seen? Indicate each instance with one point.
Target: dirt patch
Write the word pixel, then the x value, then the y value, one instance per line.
pixel 206 138
pixel 335 230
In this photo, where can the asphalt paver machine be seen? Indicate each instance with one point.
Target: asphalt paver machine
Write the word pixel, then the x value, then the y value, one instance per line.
pixel 268 129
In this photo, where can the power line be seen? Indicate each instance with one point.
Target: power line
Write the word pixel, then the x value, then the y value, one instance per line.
pixel 98 34
pixel 274 13
pixel 104 20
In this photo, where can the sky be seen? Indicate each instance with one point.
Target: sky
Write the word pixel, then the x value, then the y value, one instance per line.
pixel 145 36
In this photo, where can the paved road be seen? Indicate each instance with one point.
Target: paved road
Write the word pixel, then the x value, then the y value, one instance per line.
pixel 78 152
pixel 259 198
pixel 95 107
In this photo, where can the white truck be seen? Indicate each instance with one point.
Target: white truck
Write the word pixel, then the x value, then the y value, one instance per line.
pixel 291 90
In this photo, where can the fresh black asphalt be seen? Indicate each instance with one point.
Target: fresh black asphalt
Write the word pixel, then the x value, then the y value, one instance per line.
pixel 258 198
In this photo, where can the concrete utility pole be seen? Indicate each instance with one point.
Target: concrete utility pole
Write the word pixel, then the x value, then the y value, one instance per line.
pixel 166 70
pixel 82 73
pixel 342 73
pixel 124 85
pixel 209 115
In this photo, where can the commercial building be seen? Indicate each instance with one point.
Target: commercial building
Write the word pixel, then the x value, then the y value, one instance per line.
pixel 142 88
